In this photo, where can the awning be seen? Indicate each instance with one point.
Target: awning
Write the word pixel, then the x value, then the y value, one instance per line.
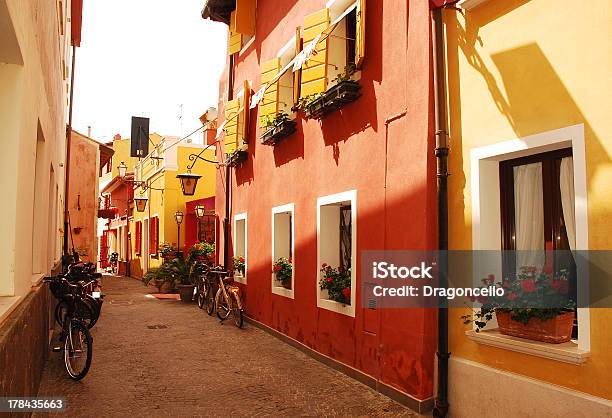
pixel 218 10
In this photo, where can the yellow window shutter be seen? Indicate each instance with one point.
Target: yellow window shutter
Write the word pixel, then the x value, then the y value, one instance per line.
pixel 297 74
pixel 231 125
pixel 269 104
pixel 314 72
pixel 244 23
pixel 244 117
pixel 234 41
pixel 360 33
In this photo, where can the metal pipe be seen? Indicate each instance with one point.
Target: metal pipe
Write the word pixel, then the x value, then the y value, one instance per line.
pixel 67 163
pixel 441 152
pixel 228 172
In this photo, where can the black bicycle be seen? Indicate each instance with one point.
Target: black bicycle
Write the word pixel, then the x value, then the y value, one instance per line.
pixel 89 305
pixel 75 339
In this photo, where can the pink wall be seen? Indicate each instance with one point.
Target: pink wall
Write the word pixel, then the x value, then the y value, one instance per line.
pixel 382 146
pixel 83 197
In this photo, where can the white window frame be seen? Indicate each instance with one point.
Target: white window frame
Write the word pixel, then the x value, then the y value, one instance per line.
pixel 279 290
pixel 242 217
pixel 486 216
pixel 331 305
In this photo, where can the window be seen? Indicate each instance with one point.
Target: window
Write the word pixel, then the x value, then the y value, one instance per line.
pixel 336 248
pixel 282 248
pixel 344 45
pixel 207 228
pixel 240 245
pixel 492 232
pixel 537 213
pixel 242 25
pixel 138 243
pixel 153 236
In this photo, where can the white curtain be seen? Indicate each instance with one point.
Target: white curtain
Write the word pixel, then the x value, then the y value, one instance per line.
pixel 529 215
pixel 566 183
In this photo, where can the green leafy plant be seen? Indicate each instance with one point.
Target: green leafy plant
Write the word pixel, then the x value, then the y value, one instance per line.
pixel 307 101
pixel 346 75
pixel 283 270
pixel 166 249
pixel 337 282
pixel 274 120
pixel 239 264
pixel 529 289
pixel 183 271
pixel 160 275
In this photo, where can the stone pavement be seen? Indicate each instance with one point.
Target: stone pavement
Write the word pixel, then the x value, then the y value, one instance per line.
pixel 165 358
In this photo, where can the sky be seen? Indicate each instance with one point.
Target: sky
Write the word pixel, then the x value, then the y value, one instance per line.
pixel 146 58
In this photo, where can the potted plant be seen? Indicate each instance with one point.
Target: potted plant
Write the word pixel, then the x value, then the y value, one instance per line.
pixel 237 157
pixel 277 127
pixel 183 270
pixel 161 277
pixel 201 251
pixel 239 265
pixel 313 105
pixel 168 251
pixel 337 282
pixel 536 306
pixel 283 270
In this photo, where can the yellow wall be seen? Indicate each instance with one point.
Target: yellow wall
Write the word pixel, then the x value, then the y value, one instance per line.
pixel 165 204
pixel 515 68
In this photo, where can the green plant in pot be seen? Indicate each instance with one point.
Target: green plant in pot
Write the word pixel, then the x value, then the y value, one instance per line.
pixel 183 272
pixel 201 251
pixel 239 264
pixel 160 277
pixel 283 270
pixel 337 282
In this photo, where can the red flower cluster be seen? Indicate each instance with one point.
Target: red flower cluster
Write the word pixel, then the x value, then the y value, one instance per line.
pixel 528 286
pixel 347 293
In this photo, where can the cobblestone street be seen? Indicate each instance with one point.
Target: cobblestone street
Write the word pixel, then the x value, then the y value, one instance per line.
pixel 162 357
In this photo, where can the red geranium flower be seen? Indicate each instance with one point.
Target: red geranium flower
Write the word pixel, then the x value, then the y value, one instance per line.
pixel 324 265
pixel 528 286
pixel 277 268
pixel 511 296
pixel 329 279
pixel 347 292
pixel 241 259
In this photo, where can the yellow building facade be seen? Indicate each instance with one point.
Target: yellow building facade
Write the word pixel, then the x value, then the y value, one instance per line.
pixel 526 78
pixel 165 197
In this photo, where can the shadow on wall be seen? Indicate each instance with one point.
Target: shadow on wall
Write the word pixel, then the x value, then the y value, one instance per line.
pixel 532 98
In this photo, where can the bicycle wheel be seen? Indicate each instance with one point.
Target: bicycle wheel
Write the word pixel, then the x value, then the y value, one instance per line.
pixel 78 349
pixel 210 300
pixel 61 310
pixel 223 311
pixel 237 313
pixel 202 290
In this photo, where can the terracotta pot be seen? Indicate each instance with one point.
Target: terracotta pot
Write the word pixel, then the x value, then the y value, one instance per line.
pixel 165 287
pixel 186 292
pixel 556 330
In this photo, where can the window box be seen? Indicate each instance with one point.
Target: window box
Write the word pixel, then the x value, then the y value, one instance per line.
pixel 279 131
pixel 333 99
pixel 556 330
pixel 237 157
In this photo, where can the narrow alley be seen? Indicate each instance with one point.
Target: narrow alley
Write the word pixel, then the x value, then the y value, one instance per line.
pixel 162 357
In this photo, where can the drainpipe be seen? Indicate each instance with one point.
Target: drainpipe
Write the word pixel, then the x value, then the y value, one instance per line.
pixel 441 153
pixel 228 172
pixel 67 168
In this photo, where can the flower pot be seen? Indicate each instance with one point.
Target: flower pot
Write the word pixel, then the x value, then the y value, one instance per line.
pixel 165 287
pixel 556 330
pixel 186 292
pixel 281 130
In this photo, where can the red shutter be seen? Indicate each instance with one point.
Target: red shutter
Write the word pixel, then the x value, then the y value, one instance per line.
pixel 138 237
pixel 153 235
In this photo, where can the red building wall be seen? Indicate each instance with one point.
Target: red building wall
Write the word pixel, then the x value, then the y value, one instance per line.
pixel 382 146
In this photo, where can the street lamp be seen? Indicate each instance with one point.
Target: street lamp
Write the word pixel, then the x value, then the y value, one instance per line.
pixel 178 216
pixel 189 181
pixel 122 169
pixel 141 203
pixel 199 211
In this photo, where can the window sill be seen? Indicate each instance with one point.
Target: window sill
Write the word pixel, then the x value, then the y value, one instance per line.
pixel 281 291
pixel 565 352
pixel 338 307
pixel 240 278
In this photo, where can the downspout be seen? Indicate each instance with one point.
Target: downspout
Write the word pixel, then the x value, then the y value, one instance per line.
pixel 67 169
pixel 441 153
pixel 228 172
